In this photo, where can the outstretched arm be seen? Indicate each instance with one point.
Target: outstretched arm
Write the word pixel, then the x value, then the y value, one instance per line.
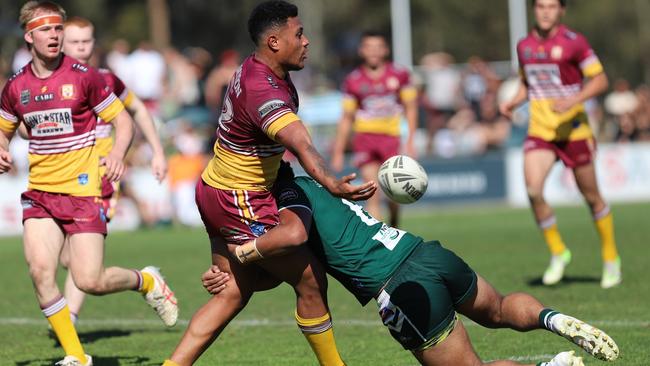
pixel 296 138
pixel 145 123
pixel 342 135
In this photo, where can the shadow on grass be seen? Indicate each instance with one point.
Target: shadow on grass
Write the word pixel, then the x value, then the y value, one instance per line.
pixel 97 361
pixel 537 281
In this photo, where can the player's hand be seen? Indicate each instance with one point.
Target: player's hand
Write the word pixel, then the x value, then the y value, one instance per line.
pixel 159 166
pixel 214 281
pixel 506 109
pixel 337 162
pixel 563 105
pixel 5 161
pixel 115 167
pixel 409 148
pixel 344 189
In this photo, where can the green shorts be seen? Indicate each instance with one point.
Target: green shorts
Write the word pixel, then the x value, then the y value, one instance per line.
pixel 418 302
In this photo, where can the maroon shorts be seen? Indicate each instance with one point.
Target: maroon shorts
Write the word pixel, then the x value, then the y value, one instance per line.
pixel 73 214
pixel 572 153
pixel 235 215
pixel 372 147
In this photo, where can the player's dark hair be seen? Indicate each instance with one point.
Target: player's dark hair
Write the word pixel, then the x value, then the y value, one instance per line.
pixel 562 3
pixel 373 33
pixel 267 15
pixel 285 173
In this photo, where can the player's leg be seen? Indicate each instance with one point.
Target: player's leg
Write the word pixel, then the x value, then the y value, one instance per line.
pixel 71 292
pixel 538 161
pixel 42 241
pixel 302 270
pixel 586 180
pixel 210 320
pixel 522 312
pixel 90 276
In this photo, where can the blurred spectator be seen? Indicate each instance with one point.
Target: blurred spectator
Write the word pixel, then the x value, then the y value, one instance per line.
pixel 440 97
pixel 494 127
pixel 181 85
pixel 621 100
pixel 200 59
pixel 21 58
pixel 642 113
pixel 185 169
pixel 146 75
pixel 218 79
pixel 117 58
pixel 477 80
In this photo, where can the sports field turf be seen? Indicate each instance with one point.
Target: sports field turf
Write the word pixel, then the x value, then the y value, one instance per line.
pixel 501 244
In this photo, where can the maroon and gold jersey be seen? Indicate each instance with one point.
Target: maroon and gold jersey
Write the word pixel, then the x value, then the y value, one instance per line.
pixel 377 103
pixel 60 113
pixel 554 68
pixel 104 128
pixel 256 106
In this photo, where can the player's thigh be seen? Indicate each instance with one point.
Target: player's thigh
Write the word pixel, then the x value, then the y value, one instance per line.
pixel 585 176
pixel 482 306
pixel 455 350
pixel 537 165
pixel 86 255
pixel 64 258
pixel 298 268
pixel 42 242
pixel 243 278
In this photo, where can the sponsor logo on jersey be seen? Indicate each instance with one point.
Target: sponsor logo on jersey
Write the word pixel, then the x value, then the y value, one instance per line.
pixel 24 97
pixel 556 52
pixel 287 195
pixel 272 82
pixel 528 53
pixel 43 97
pixel 389 236
pixel 392 83
pixel 269 107
pixel 82 179
pixel 50 122
pixel 541 53
pixel 67 91
pixel 44 89
pixel 80 67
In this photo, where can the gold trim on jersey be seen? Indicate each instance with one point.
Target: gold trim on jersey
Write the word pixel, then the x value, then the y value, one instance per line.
pixel 128 98
pixel 230 170
pixel 109 108
pixel 408 93
pixel 350 104
pixel 274 127
pixel 592 69
pixel 385 126
pixel 550 126
pixel 7 126
pixel 75 172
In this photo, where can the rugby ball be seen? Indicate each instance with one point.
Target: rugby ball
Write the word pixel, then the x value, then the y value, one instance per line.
pixel 403 179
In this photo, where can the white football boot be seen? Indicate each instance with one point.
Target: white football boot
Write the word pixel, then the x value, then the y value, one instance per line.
pixel 161 298
pixel 591 339
pixel 611 273
pixel 555 270
pixel 565 359
pixel 74 361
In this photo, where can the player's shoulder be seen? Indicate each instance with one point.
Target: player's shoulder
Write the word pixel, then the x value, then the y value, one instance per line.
pixel 354 75
pixel 256 76
pixel 570 34
pixel 397 68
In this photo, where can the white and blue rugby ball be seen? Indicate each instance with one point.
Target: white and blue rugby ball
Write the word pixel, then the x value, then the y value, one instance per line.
pixel 403 179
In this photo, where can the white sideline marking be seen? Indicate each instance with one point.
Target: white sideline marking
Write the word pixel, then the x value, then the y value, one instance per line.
pixel 622 323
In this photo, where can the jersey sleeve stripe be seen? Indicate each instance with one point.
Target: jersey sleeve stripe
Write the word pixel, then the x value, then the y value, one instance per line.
pixel 349 103
pixel 112 110
pixel 126 97
pixel 293 206
pixel 275 116
pixel 281 123
pixel 7 126
pixel 408 94
pixel 8 116
pixel 105 103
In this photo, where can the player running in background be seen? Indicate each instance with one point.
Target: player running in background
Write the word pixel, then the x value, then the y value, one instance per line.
pixel 59 99
pixel 554 61
pixel 376 94
pixel 79 43
pixel 258 122
pixel 419 286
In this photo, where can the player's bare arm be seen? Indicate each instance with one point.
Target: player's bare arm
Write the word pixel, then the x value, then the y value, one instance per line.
pixel 5 157
pixel 507 107
pixel 411 113
pixel 114 161
pixel 342 135
pixel 292 231
pixel 593 87
pixel 145 123
pixel 297 140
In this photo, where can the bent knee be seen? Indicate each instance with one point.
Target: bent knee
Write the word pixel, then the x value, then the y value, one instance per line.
pixel 91 286
pixel 535 194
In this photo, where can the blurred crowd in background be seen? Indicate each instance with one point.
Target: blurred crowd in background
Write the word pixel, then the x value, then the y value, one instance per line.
pixel 459 114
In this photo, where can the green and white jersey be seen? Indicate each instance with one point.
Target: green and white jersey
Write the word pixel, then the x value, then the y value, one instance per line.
pixel 359 251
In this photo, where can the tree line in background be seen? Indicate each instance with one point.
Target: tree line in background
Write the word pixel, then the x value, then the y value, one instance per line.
pixel 618 30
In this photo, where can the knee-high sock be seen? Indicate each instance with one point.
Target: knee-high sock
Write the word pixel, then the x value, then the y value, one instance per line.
pixel 605 225
pixel 58 315
pixel 552 235
pixel 320 336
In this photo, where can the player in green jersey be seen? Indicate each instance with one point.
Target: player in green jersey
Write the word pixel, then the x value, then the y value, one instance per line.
pixel 419 286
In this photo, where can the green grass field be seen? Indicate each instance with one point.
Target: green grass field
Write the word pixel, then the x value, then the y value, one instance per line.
pixel 501 244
